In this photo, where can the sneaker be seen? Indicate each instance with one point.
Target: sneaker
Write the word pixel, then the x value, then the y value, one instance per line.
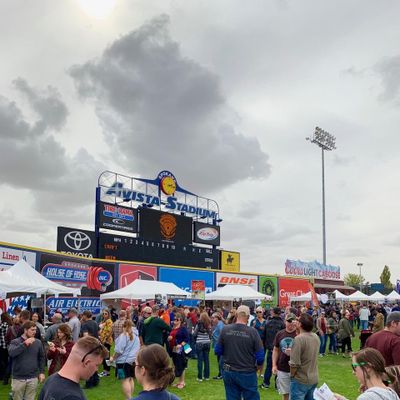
pixel 321 355
pixel 264 386
pixel 206 379
pixel 217 377
pixel 104 373
pixel 199 380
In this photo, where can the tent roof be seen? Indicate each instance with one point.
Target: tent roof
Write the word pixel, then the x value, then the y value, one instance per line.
pixel 144 289
pixel 377 296
pixel 393 295
pixel 22 278
pixel 358 296
pixel 340 295
pixel 304 297
pixel 231 292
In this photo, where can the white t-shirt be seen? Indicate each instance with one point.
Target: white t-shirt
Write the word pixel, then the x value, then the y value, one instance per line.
pixel 364 314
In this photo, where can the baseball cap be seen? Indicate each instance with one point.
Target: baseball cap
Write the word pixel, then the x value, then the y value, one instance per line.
pixel 393 316
pixel 243 309
pixel 290 317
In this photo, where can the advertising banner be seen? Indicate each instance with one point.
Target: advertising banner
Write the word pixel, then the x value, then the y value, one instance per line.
pixel 10 256
pixel 128 273
pixel 291 287
pixel 230 261
pixel 76 242
pixel 269 285
pixel 184 277
pixel 165 227
pixel 312 269
pixel 206 233
pixel 223 279
pixel 125 248
pixel 63 304
pixel 117 218
pixel 93 277
pixel 199 290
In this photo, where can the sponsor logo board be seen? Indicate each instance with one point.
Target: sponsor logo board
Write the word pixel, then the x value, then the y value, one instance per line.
pixel 77 242
pixel 223 279
pixel 117 218
pixel 63 304
pixel 291 287
pixel 312 269
pixel 230 261
pixel 206 234
pixel 10 256
pixel 269 285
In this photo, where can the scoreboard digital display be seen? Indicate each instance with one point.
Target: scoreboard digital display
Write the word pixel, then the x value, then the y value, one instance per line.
pixel 112 247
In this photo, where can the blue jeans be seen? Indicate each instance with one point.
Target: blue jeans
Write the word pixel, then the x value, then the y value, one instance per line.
pixel 240 385
pixel 332 342
pixel 203 356
pixel 268 368
pixel 322 346
pixel 364 324
pixel 300 391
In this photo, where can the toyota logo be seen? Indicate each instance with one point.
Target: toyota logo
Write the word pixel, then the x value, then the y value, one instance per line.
pixel 77 240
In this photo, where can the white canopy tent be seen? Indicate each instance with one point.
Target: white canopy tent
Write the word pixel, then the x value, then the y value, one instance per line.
pixel 340 296
pixel 22 278
pixel 143 289
pixel 358 296
pixel 377 296
pixel 304 297
pixel 393 296
pixel 233 292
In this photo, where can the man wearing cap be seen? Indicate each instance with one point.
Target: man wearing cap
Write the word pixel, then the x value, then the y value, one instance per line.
pixel 387 341
pixel 304 360
pixel 272 327
pixel 74 323
pixel 243 354
pixel 281 355
pixel 51 331
pixel 153 328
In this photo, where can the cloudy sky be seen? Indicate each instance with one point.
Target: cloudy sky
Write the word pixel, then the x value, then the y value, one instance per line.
pixel 222 94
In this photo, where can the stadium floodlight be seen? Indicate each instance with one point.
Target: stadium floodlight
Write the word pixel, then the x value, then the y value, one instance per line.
pixel 325 141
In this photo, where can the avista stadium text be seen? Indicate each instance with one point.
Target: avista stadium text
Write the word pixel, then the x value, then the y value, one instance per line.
pixel 314 272
pixel 171 203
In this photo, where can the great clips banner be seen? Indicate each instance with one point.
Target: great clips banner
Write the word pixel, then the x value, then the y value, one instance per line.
pixel 291 287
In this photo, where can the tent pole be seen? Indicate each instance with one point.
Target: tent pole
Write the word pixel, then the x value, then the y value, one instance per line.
pixel 44 308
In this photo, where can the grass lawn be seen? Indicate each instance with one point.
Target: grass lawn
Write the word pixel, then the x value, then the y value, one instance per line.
pixel 333 370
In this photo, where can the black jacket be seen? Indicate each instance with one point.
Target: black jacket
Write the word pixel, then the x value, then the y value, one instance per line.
pixel 272 327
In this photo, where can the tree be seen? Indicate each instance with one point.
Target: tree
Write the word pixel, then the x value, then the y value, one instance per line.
pixel 353 280
pixel 385 278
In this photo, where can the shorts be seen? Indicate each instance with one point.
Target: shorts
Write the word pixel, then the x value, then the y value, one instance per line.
pixel 283 382
pixel 129 370
pixel 180 363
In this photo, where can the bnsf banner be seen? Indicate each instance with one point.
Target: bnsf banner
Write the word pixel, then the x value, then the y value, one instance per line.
pixel 223 279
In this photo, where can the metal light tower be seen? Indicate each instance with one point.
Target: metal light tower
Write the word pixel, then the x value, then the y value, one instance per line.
pixel 359 265
pixel 325 141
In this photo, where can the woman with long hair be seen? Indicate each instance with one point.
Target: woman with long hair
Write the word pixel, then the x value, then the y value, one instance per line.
pixel 126 348
pixel 154 372
pixel 106 337
pixel 177 339
pixel 369 368
pixel 39 324
pixel 202 334
pixel 60 349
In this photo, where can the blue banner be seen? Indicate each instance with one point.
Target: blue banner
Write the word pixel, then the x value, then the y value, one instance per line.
pixel 63 304
pixel 184 277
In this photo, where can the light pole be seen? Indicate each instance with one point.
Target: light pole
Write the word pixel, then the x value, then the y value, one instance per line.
pixel 359 265
pixel 325 141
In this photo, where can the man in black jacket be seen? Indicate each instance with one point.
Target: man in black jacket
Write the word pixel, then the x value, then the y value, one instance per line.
pixel 272 327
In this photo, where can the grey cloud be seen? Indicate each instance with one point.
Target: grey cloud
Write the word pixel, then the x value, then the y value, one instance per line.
pixel 389 71
pixel 160 110
pixel 31 158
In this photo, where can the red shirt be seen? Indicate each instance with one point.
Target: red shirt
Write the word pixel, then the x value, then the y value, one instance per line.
pixel 388 344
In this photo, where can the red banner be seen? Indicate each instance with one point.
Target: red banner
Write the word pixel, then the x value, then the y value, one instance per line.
pixel 291 287
pixel 314 297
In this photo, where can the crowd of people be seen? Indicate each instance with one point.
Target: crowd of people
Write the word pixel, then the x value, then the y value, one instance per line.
pixel 152 345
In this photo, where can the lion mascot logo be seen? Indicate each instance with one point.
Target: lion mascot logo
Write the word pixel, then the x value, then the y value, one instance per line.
pixel 168 226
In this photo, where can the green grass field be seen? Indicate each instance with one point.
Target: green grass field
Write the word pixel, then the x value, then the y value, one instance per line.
pixel 334 370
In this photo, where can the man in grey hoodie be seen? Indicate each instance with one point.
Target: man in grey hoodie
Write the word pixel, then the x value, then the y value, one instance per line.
pixel 28 362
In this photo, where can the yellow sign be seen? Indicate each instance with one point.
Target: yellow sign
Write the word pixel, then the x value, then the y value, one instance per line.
pixel 230 261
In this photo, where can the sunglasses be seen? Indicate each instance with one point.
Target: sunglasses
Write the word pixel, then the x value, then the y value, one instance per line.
pixel 100 346
pixel 355 365
pixel 259 312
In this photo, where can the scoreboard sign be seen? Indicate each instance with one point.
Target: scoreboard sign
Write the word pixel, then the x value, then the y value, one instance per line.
pixel 112 247
pixel 165 227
